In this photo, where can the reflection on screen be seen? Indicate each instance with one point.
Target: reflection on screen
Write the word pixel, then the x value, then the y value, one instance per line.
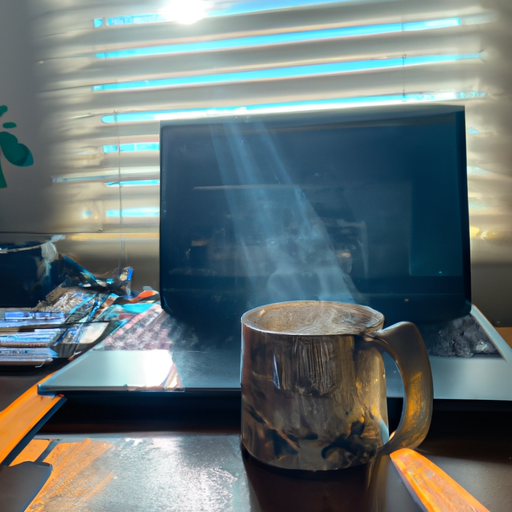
pixel 365 208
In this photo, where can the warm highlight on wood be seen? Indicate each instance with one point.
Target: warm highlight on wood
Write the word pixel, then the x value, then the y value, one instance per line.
pixel 436 491
pixel 32 451
pixel 17 419
pixel 75 478
pixel 506 334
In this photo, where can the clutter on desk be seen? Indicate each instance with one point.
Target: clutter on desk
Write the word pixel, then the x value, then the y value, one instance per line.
pixel 78 314
pixel 52 330
pixel 148 329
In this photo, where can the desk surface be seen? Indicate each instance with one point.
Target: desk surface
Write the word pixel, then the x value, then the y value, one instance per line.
pixel 200 471
pixel 194 462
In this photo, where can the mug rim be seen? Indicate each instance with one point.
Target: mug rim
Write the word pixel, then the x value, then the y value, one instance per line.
pixel 248 322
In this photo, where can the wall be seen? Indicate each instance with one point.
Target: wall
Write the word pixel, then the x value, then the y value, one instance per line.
pixel 55 52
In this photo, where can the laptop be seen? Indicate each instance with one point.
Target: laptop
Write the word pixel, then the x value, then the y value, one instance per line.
pixel 365 206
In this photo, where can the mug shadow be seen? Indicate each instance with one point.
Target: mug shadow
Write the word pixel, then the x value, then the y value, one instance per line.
pixel 355 489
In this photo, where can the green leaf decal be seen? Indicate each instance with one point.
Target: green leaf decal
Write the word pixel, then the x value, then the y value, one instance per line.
pixel 3 183
pixel 16 153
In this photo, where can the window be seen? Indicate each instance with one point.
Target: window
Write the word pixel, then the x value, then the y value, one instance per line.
pixel 90 84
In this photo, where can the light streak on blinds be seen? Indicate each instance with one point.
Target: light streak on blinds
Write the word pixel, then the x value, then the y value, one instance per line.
pixel 107 175
pixel 294 106
pixel 227 9
pixel 133 183
pixel 283 38
pixel 130 148
pixel 288 72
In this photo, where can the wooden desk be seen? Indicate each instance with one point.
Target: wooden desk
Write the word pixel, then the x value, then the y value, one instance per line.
pixel 153 455
pixel 196 464
pixel 506 334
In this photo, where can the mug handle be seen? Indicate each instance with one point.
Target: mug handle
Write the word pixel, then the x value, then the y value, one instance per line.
pixel 403 342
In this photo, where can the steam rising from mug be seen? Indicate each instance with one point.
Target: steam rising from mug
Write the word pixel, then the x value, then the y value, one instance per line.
pixel 278 229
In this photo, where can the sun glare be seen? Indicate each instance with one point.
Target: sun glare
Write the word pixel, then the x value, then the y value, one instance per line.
pixel 185 11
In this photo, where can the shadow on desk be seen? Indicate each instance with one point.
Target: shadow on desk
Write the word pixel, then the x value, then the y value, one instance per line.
pixel 371 488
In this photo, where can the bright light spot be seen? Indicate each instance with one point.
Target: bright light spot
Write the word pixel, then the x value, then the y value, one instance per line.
pixel 156 367
pixel 130 148
pixel 222 9
pixel 432 24
pixel 478 204
pixel 133 183
pixel 476 171
pixel 473 231
pixel 185 11
pixel 148 211
pixel 138 19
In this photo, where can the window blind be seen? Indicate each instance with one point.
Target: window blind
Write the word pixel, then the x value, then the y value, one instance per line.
pixel 108 72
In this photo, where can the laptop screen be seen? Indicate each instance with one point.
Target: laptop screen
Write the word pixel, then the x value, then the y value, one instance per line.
pixel 366 206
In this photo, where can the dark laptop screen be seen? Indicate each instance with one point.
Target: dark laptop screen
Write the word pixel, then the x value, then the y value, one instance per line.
pixel 366 206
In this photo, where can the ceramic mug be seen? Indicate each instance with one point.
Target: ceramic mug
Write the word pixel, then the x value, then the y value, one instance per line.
pixel 314 388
